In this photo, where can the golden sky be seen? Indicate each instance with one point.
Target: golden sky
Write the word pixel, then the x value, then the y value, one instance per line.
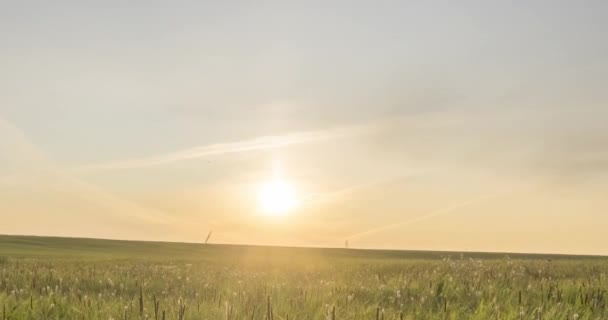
pixel 440 126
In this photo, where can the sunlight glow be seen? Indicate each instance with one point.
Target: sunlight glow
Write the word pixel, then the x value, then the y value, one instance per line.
pixel 277 197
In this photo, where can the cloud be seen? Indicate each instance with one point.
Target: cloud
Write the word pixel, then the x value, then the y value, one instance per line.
pixel 250 145
pixel 31 170
pixel 16 150
pixel 428 215
pixel 340 194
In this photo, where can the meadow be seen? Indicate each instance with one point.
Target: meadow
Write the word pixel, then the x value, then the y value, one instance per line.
pixel 62 278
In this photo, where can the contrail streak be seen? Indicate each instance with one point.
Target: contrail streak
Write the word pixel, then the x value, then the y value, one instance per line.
pixel 255 144
pixel 429 215
pixel 15 145
pixel 329 196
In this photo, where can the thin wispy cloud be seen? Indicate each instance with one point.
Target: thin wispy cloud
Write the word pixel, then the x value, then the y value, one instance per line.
pixel 432 214
pixel 255 144
pixel 15 147
pixel 340 194
pixel 41 171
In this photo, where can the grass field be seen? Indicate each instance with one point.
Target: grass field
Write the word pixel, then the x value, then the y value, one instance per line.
pixel 61 278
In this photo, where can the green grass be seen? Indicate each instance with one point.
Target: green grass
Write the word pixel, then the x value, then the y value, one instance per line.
pixel 63 278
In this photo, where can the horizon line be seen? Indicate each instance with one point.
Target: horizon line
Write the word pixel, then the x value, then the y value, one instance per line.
pixel 520 253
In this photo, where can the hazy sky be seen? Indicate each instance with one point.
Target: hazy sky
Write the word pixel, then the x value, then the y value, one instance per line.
pixel 452 125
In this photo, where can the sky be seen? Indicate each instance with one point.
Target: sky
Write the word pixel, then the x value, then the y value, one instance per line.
pixel 428 125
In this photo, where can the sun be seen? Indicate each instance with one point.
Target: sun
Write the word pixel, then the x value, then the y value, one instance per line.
pixel 277 197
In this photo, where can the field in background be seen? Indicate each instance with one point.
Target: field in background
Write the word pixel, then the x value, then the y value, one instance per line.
pixel 62 278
